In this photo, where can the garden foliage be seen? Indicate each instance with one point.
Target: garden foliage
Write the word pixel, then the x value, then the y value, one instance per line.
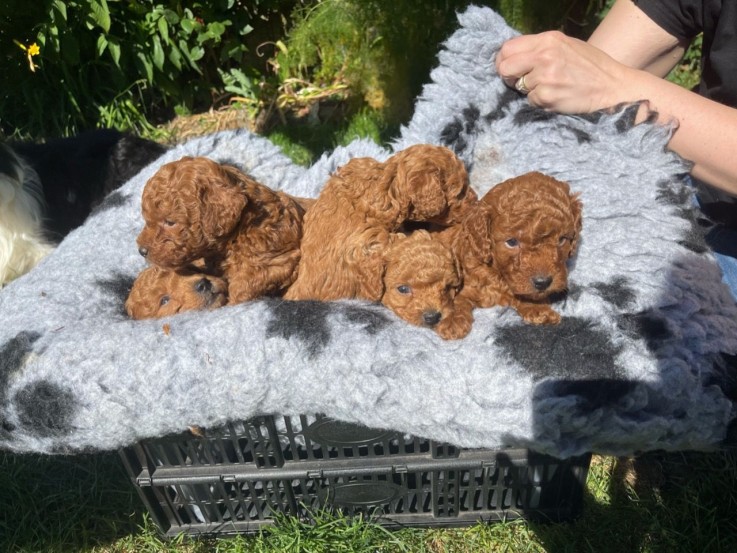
pixel 118 63
pixel 70 65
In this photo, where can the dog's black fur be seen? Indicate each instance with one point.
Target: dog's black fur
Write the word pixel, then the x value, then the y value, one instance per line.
pixel 76 173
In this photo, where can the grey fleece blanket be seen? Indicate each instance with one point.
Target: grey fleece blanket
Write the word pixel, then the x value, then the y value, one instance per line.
pixel 643 359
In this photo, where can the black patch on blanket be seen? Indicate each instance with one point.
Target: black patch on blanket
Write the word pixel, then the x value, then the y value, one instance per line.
pixel 12 354
pixel 593 117
pixel 647 326
pixel 627 118
pixel 581 136
pixel 575 349
pixel 305 321
pixel 46 409
pixel 452 135
pixel 618 292
pixel 673 194
pixel 703 233
pixel 118 287
pixel 111 201
pixel 372 320
pixel 507 97
pixel 696 237
pixel 531 114
pixel 471 116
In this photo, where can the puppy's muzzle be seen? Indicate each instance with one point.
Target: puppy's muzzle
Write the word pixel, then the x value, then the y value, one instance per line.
pixel 431 318
pixel 203 286
pixel 542 282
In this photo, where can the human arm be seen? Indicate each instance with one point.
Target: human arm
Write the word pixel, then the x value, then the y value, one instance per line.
pixel 624 62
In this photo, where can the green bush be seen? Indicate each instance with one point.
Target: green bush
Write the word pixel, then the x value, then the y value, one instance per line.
pixel 379 53
pixel 132 64
pixel 120 62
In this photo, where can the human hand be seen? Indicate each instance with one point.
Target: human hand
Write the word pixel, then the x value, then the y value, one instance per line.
pixel 564 74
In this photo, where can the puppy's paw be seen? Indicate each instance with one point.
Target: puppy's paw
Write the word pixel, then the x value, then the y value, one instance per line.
pixel 539 314
pixel 453 328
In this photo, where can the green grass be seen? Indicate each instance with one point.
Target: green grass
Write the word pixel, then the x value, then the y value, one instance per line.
pixel 305 142
pixel 680 502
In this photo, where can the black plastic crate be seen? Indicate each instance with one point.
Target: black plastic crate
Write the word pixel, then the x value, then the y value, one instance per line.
pixel 234 479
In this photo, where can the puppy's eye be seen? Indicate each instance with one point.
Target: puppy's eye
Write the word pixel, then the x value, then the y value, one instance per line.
pixel 404 289
pixel 512 243
pixel 163 301
pixel 564 239
pixel 168 223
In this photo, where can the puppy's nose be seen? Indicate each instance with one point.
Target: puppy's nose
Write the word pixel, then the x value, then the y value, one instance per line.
pixel 203 285
pixel 143 251
pixel 431 318
pixel 542 283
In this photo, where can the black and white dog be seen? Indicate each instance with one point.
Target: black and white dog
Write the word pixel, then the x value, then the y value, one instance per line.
pixel 49 189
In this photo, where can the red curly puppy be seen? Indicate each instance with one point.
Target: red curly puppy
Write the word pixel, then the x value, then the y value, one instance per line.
pixel 421 280
pixel 161 292
pixel 196 208
pixel 514 245
pixel 361 205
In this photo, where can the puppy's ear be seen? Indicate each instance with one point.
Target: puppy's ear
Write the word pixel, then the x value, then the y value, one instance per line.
pixel 223 201
pixel 387 255
pixel 477 231
pixel 576 211
pixel 457 267
pixel 425 192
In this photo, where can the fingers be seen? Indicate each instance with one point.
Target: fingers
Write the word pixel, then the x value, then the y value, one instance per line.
pixel 515 58
pixel 520 56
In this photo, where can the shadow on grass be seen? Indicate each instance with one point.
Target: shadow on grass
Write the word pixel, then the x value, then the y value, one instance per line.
pixel 53 503
pixel 659 502
pixel 305 141
pixel 670 503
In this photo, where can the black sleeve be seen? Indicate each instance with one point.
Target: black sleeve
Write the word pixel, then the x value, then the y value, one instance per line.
pixel 682 19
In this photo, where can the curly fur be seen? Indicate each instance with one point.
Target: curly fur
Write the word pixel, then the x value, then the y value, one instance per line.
pixel 159 292
pixel 350 224
pixel 514 246
pixel 421 280
pixel 196 208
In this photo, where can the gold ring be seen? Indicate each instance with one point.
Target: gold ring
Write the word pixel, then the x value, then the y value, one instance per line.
pixel 521 86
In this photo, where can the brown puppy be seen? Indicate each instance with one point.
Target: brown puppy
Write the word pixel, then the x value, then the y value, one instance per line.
pixel 421 280
pixel 363 203
pixel 161 292
pixel 514 245
pixel 196 208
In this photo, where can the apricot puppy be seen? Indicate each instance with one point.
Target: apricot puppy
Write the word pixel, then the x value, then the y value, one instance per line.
pixel 362 205
pixel 196 208
pixel 514 245
pixel 421 280
pixel 161 292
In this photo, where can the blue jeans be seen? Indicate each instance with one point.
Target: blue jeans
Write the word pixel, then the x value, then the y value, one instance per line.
pixel 723 240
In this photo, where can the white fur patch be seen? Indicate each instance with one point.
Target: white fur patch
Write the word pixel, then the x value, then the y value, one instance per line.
pixel 22 244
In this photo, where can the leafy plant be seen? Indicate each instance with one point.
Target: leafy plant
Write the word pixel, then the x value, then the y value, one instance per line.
pixel 144 58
